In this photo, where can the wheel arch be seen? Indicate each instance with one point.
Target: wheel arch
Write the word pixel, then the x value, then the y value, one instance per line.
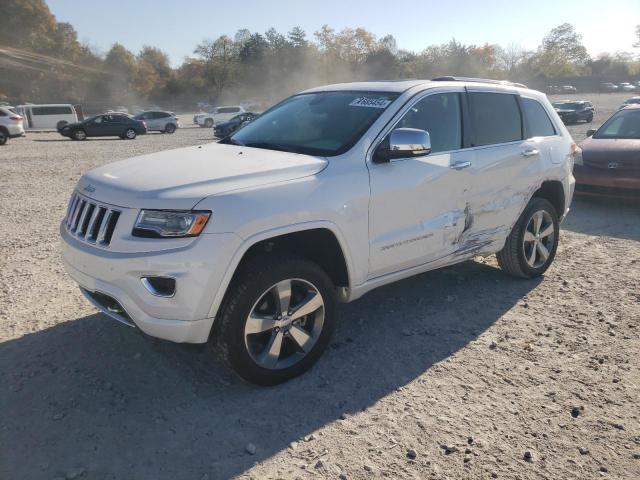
pixel 301 239
pixel 553 191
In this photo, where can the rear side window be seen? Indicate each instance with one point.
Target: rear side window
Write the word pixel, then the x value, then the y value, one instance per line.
pixel 62 110
pixel 438 114
pixel 228 110
pixel 2 113
pixel 536 119
pixel 495 118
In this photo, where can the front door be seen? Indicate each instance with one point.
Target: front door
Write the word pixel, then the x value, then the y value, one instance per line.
pixel 417 206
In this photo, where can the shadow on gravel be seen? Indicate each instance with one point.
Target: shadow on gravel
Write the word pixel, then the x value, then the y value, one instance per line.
pixel 92 393
pixel 94 139
pixel 611 217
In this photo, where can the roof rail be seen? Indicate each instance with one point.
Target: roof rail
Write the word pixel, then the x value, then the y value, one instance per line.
pixel 477 80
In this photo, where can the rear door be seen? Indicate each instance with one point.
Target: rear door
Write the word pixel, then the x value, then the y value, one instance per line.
pixel 503 172
pixel 416 211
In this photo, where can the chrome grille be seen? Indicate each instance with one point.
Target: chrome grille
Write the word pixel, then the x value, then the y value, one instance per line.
pixel 90 221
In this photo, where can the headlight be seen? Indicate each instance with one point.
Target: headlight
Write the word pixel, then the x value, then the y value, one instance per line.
pixel 170 223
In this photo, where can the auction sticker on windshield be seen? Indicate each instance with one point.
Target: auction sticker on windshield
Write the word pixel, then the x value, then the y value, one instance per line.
pixel 370 102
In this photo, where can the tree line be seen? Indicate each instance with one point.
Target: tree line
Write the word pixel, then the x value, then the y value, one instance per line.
pixel 43 61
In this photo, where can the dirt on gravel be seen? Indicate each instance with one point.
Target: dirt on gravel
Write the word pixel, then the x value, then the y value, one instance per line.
pixel 457 373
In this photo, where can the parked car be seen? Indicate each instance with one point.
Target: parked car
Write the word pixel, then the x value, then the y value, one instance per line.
pixel 217 115
pixel 553 89
pixel 630 101
pixel 227 128
pixel 608 87
pixel 327 195
pixel 626 87
pixel 49 116
pixel 105 125
pixel 609 160
pixel 10 124
pixel 568 89
pixel 574 111
pixel 165 122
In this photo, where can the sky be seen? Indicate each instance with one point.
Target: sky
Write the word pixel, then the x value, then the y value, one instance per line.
pixel 178 26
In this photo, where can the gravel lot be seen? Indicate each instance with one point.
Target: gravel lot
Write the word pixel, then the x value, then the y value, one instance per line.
pixel 457 373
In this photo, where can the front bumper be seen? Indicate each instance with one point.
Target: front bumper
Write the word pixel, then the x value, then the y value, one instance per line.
pixel 199 269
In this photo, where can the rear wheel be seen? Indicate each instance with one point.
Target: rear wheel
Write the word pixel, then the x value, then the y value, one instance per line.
pixel 170 128
pixel 531 246
pixel 4 136
pixel 79 135
pixel 277 319
pixel 130 134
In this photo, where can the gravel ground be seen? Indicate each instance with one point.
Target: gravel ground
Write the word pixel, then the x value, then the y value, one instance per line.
pixel 457 373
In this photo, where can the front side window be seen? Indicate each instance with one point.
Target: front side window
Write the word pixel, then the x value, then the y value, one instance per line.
pixel 495 118
pixel 624 124
pixel 536 118
pixel 321 123
pixel 438 114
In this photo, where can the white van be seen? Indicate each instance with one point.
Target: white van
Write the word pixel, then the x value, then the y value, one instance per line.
pixel 50 116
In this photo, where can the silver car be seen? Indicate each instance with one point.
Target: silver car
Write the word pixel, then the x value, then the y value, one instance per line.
pixel 165 122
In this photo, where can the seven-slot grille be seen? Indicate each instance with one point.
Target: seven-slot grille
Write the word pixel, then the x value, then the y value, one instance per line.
pixel 90 221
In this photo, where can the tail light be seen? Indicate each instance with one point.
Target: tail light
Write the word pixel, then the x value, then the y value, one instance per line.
pixel 574 149
pixel 15 117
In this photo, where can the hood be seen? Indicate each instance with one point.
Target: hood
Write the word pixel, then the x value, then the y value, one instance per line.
pixel 178 179
pixel 601 152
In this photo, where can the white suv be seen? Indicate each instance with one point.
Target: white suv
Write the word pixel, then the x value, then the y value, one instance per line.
pixel 10 124
pixel 217 115
pixel 249 242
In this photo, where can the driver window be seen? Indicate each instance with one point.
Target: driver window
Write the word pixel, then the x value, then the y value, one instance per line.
pixel 439 114
pixel 98 119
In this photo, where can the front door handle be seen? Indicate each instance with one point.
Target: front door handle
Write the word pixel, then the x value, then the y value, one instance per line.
pixel 460 165
pixel 530 153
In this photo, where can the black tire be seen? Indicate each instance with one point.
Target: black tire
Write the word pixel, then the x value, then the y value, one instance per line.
pixel 248 287
pixel 79 134
pixel 61 124
pixel 512 257
pixel 4 136
pixel 129 134
pixel 208 123
pixel 169 128
pixel 590 119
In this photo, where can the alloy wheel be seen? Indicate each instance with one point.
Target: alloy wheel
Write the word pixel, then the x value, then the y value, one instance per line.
pixel 539 237
pixel 284 324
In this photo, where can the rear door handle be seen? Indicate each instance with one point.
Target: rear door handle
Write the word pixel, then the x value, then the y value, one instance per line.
pixel 530 153
pixel 460 165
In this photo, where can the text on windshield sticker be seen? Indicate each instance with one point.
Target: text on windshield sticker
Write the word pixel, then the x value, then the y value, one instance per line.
pixel 370 102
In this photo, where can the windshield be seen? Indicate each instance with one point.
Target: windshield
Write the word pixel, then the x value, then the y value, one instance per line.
pixel 322 123
pixel 624 124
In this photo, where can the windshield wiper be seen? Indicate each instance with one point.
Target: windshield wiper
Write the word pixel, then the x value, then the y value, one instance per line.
pixel 270 146
pixel 231 141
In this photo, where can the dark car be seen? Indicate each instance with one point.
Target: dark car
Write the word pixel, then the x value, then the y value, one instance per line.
pixel 574 111
pixel 227 128
pixel 609 163
pixel 105 125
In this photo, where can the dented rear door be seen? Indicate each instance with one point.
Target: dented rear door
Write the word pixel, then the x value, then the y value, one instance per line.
pixel 500 177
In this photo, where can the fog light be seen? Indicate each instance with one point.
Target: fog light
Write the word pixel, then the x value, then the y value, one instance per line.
pixel 160 286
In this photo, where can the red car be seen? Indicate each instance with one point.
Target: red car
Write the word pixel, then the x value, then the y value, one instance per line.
pixel 609 163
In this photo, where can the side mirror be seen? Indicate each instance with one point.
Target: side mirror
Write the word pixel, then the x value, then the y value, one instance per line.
pixel 590 132
pixel 403 143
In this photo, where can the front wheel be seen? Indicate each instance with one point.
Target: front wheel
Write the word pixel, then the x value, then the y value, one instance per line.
pixel 590 119
pixel 208 123
pixel 277 319
pixel 130 134
pixel 79 135
pixel 531 246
